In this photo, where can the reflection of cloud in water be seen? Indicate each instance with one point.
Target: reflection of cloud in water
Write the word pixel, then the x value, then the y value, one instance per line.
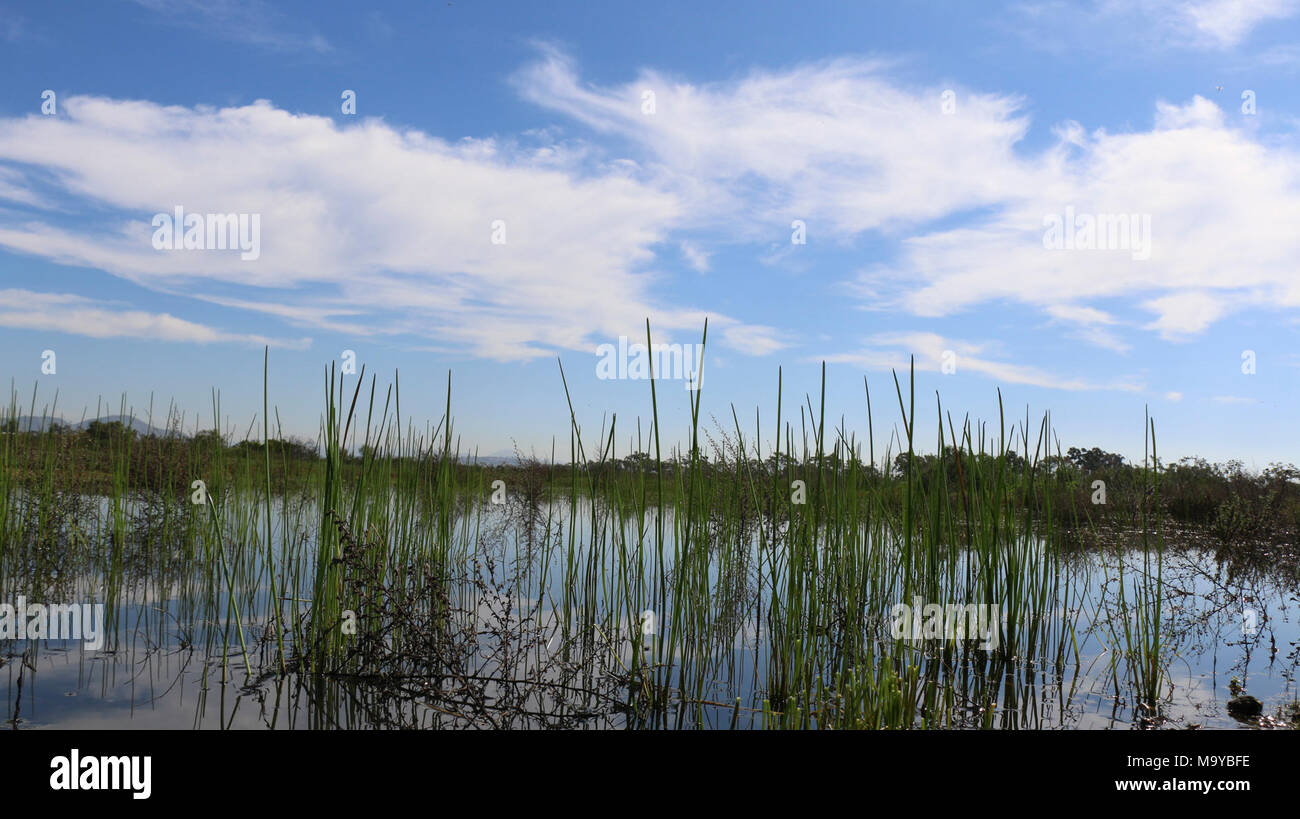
pixel 151 683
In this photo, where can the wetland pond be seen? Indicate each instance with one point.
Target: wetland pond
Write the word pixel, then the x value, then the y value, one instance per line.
pixel 580 614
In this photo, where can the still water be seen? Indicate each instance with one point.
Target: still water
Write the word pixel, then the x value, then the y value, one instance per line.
pixel 169 659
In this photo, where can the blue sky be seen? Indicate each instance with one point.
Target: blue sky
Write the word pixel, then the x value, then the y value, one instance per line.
pixel 522 181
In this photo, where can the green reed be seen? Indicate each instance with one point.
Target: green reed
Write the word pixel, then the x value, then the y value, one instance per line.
pixel 769 570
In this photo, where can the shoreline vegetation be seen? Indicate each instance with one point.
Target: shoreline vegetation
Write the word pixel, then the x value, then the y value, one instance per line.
pixel 619 591
pixel 1226 500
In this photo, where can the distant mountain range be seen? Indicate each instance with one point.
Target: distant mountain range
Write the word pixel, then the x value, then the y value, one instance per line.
pixel 32 423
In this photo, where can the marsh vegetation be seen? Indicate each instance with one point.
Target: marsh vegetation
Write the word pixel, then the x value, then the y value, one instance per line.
pixel 377 578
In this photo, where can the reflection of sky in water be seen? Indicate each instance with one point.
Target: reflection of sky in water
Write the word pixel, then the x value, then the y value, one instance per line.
pixel 85 690
pixel 1209 645
pixel 152 681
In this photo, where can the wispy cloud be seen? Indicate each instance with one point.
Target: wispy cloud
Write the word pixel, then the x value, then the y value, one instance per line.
pixel 933 351
pixel 835 143
pixel 1233 399
pixel 841 146
pixel 77 315
pixel 12 27
pixel 1208 190
pixel 14 188
pixel 354 242
pixel 516 254
pixel 695 256
pixel 252 22
pixel 1227 22
pixel 1090 325
pixel 1213 25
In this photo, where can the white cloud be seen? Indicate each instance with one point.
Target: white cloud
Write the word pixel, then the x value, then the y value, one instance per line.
pixel 1091 325
pixel 753 339
pixel 13 188
pixel 370 229
pixel 1228 22
pixel 1217 240
pixel 834 143
pixel 839 145
pixel 893 350
pixel 1083 315
pixel 389 230
pixel 1214 25
pixel 244 21
pixel 696 257
pixel 76 315
pixel 1185 314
